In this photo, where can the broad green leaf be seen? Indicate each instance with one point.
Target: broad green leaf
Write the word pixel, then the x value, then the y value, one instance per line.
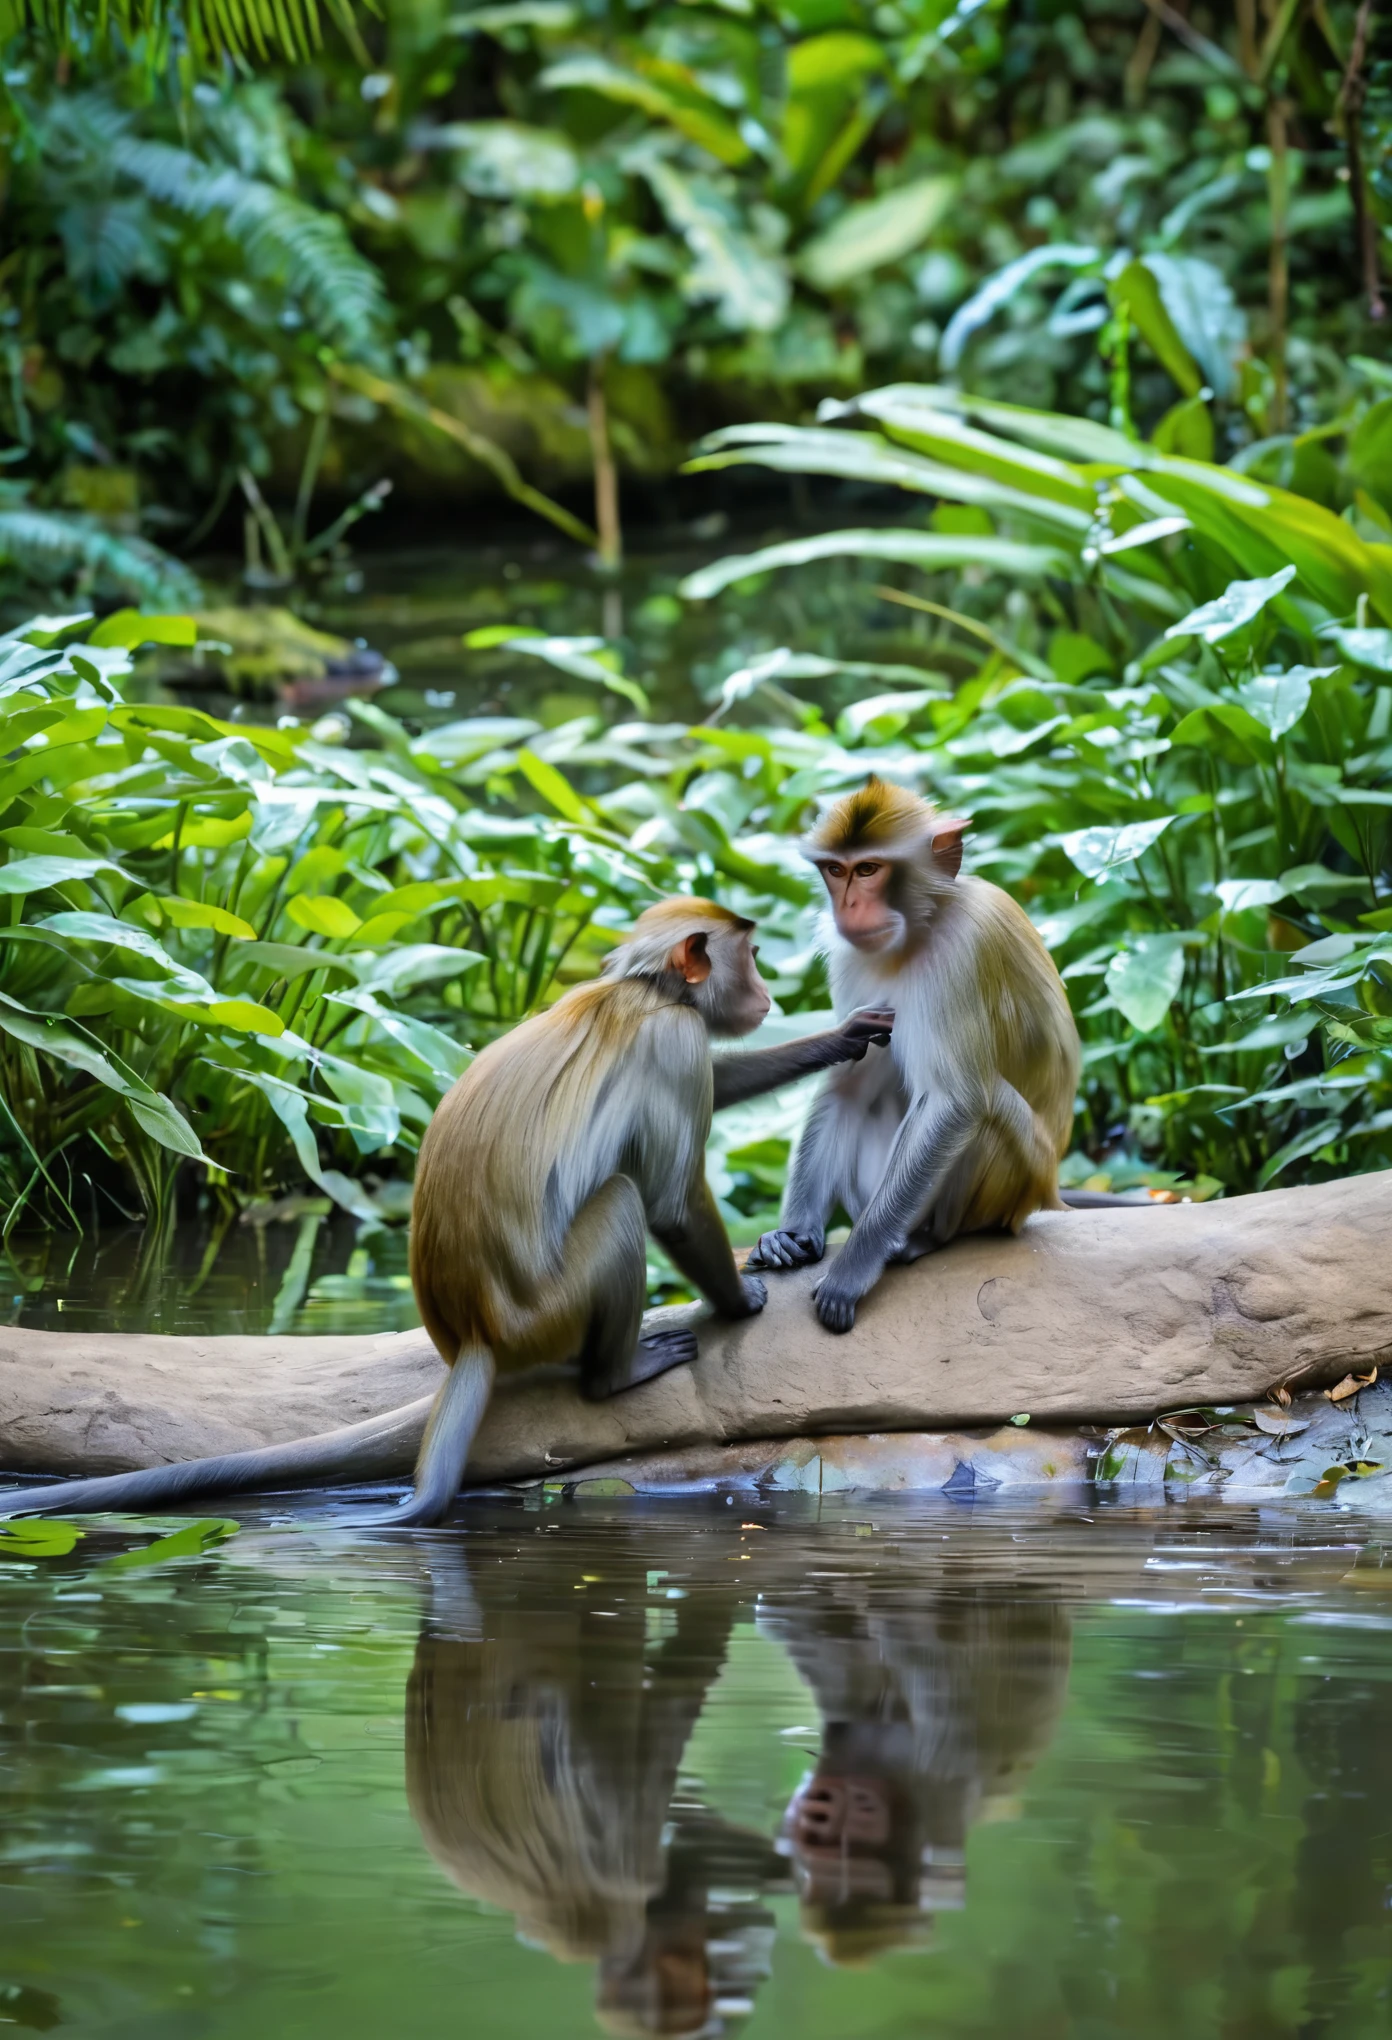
pixel 1138 290
pixel 1371 648
pixel 507 159
pixel 575 656
pixel 191 1542
pixel 323 914
pixel 40 874
pixel 1203 314
pixel 1098 851
pixel 877 232
pixel 553 787
pixel 199 914
pixel 164 1123
pixel 1225 729
pixel 1237 606
pixel 38 1536
pixel 749 288
pixel 127 628
pixel 246 1017
pixel 208 832
pixel 1237 894
pixel 288 961
pixel 394 971
pixel 932 551
pixel 999 289
pixel 1144 980
pixel 1279 700
pixel 697 118
pixel 942 435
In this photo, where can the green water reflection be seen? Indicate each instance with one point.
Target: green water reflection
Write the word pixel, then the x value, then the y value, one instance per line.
pixel 880 1771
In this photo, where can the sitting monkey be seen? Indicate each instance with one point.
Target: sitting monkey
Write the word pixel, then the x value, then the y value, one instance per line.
pixel 962 1124
pixel 540 1175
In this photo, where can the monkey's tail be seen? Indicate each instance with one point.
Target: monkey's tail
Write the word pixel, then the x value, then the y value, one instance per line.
pixel 452 1427
pixel 372 1450
pixel 1098 1200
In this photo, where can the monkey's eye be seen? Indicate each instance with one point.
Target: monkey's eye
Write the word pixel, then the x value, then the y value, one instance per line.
pixel 834 870
pixel 868 870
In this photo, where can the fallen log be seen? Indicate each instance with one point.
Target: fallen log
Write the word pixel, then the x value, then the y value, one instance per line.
pixel 1104 1317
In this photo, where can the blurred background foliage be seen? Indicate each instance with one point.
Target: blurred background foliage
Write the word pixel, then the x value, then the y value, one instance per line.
pixel 531 243
pixel 1042 348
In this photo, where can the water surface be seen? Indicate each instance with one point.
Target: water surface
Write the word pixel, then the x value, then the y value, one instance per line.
pixel 880 1770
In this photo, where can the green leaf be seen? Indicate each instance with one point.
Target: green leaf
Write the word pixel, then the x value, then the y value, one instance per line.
pixel 507 159
pixel 554 789
pixel 930 550
pixel 128 628
pixel 998 290
pixel 750 289
pixel 38 1537
pixel 1238 894
pixel 1145 979
pixel 323 914
pixel 1279 700
pixel 246 1017
pixel 1203 314
pixel 1099 851
pixel 198 914
pixel 40 874
pixel 694 116
pixel 1371 648
pixel 1137 289
pixel 191 1542
pixel 1237 606
pixel 1227 730
pixel 874 234
pixel 288 961
pixel 165 1124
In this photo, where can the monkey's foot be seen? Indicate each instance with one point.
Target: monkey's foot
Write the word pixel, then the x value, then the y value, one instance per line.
pixel 835 1308
pixel 781 1250
pixel 651 1356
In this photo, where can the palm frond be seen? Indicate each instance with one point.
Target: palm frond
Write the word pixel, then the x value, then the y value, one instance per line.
pixel 212 29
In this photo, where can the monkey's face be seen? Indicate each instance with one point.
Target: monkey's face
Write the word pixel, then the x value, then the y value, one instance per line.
pixel 730 996
pixel 861 893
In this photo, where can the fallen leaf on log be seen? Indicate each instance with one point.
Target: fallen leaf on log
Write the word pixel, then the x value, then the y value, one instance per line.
pixel 1350 1385
pixel 1277 1426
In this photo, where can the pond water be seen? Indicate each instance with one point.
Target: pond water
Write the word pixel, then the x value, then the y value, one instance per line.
pixel 566 1767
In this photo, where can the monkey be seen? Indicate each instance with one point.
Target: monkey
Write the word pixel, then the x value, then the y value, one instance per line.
pixel 544 1745
pixel 933 1708
pixel 961 1126
pixel 541 1172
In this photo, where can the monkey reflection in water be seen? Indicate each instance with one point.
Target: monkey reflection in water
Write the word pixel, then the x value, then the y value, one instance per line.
pixel 933 1706
pixel 542 1766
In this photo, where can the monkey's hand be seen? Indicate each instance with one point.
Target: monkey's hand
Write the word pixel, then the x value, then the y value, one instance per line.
pixel 871 1027
pixel 835 1302
pixel 781 1250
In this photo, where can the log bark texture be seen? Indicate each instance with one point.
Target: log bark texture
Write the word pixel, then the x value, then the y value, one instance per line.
pixel 1088 1316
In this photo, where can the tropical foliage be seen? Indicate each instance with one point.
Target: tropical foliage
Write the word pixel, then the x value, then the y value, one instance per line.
pixel 1161 688
pixel 525 244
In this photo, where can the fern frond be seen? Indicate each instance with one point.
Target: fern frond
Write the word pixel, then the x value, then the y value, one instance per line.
pixel 282 238
pixel 49 547
pixel 215 29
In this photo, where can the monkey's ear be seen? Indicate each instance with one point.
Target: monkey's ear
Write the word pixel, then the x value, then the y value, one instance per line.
pixel 692 959
pixel 947 847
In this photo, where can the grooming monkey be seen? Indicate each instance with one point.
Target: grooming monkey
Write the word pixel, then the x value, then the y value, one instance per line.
pixel 544 1168
pixel 962 1126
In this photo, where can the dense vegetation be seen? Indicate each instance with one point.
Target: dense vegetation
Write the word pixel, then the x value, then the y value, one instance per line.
pixel 518 243
pixel 1139 551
